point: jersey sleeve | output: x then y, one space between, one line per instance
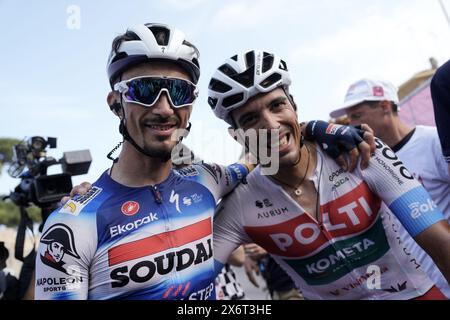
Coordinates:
66 249
440 93
228 229
440 162
400 191
220 180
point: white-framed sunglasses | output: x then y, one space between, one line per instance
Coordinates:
146 90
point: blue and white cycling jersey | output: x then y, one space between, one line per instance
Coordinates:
118 242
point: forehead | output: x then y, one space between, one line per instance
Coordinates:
362 107
157 68
258 102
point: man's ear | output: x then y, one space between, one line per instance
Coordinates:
112 100
294 105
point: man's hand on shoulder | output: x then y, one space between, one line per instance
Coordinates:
78 190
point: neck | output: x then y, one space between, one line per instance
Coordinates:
294 174
136 170
395 132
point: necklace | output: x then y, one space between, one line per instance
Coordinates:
298 192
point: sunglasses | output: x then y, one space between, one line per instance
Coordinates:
147 90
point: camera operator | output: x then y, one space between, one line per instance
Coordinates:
9 285
42 190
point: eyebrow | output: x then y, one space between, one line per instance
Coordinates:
246 115
277 100
270 104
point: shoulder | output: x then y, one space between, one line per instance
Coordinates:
84 204
426 132
386 167
206 172
196 171
428 138
83 208
442 74
247 191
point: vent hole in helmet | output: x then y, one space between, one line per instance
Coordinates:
161 35
270 80
267 63
227 70
283 66
245 78
250 59
232 100
219 86
212 102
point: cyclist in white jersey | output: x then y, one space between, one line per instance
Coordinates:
331 230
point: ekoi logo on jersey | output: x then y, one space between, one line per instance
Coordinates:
193 240
350 214
130 208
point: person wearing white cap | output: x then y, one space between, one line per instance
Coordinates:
375 103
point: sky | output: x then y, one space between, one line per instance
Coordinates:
53 60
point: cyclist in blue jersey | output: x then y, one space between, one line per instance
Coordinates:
333 232
144 230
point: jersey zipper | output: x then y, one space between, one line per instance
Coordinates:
167 228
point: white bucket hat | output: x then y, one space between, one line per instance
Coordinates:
366 90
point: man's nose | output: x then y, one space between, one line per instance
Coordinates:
269 122
163 107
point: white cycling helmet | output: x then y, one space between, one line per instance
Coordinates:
153 41
244 76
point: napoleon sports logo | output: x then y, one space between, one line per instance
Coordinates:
60 241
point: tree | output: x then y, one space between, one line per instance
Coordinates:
6 150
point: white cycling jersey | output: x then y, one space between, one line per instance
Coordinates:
354 251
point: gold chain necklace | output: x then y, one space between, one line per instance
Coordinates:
298 192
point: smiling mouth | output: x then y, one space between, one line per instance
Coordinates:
163 127
160 127
285 140
280 143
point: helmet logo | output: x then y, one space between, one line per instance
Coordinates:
258 64
163 49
